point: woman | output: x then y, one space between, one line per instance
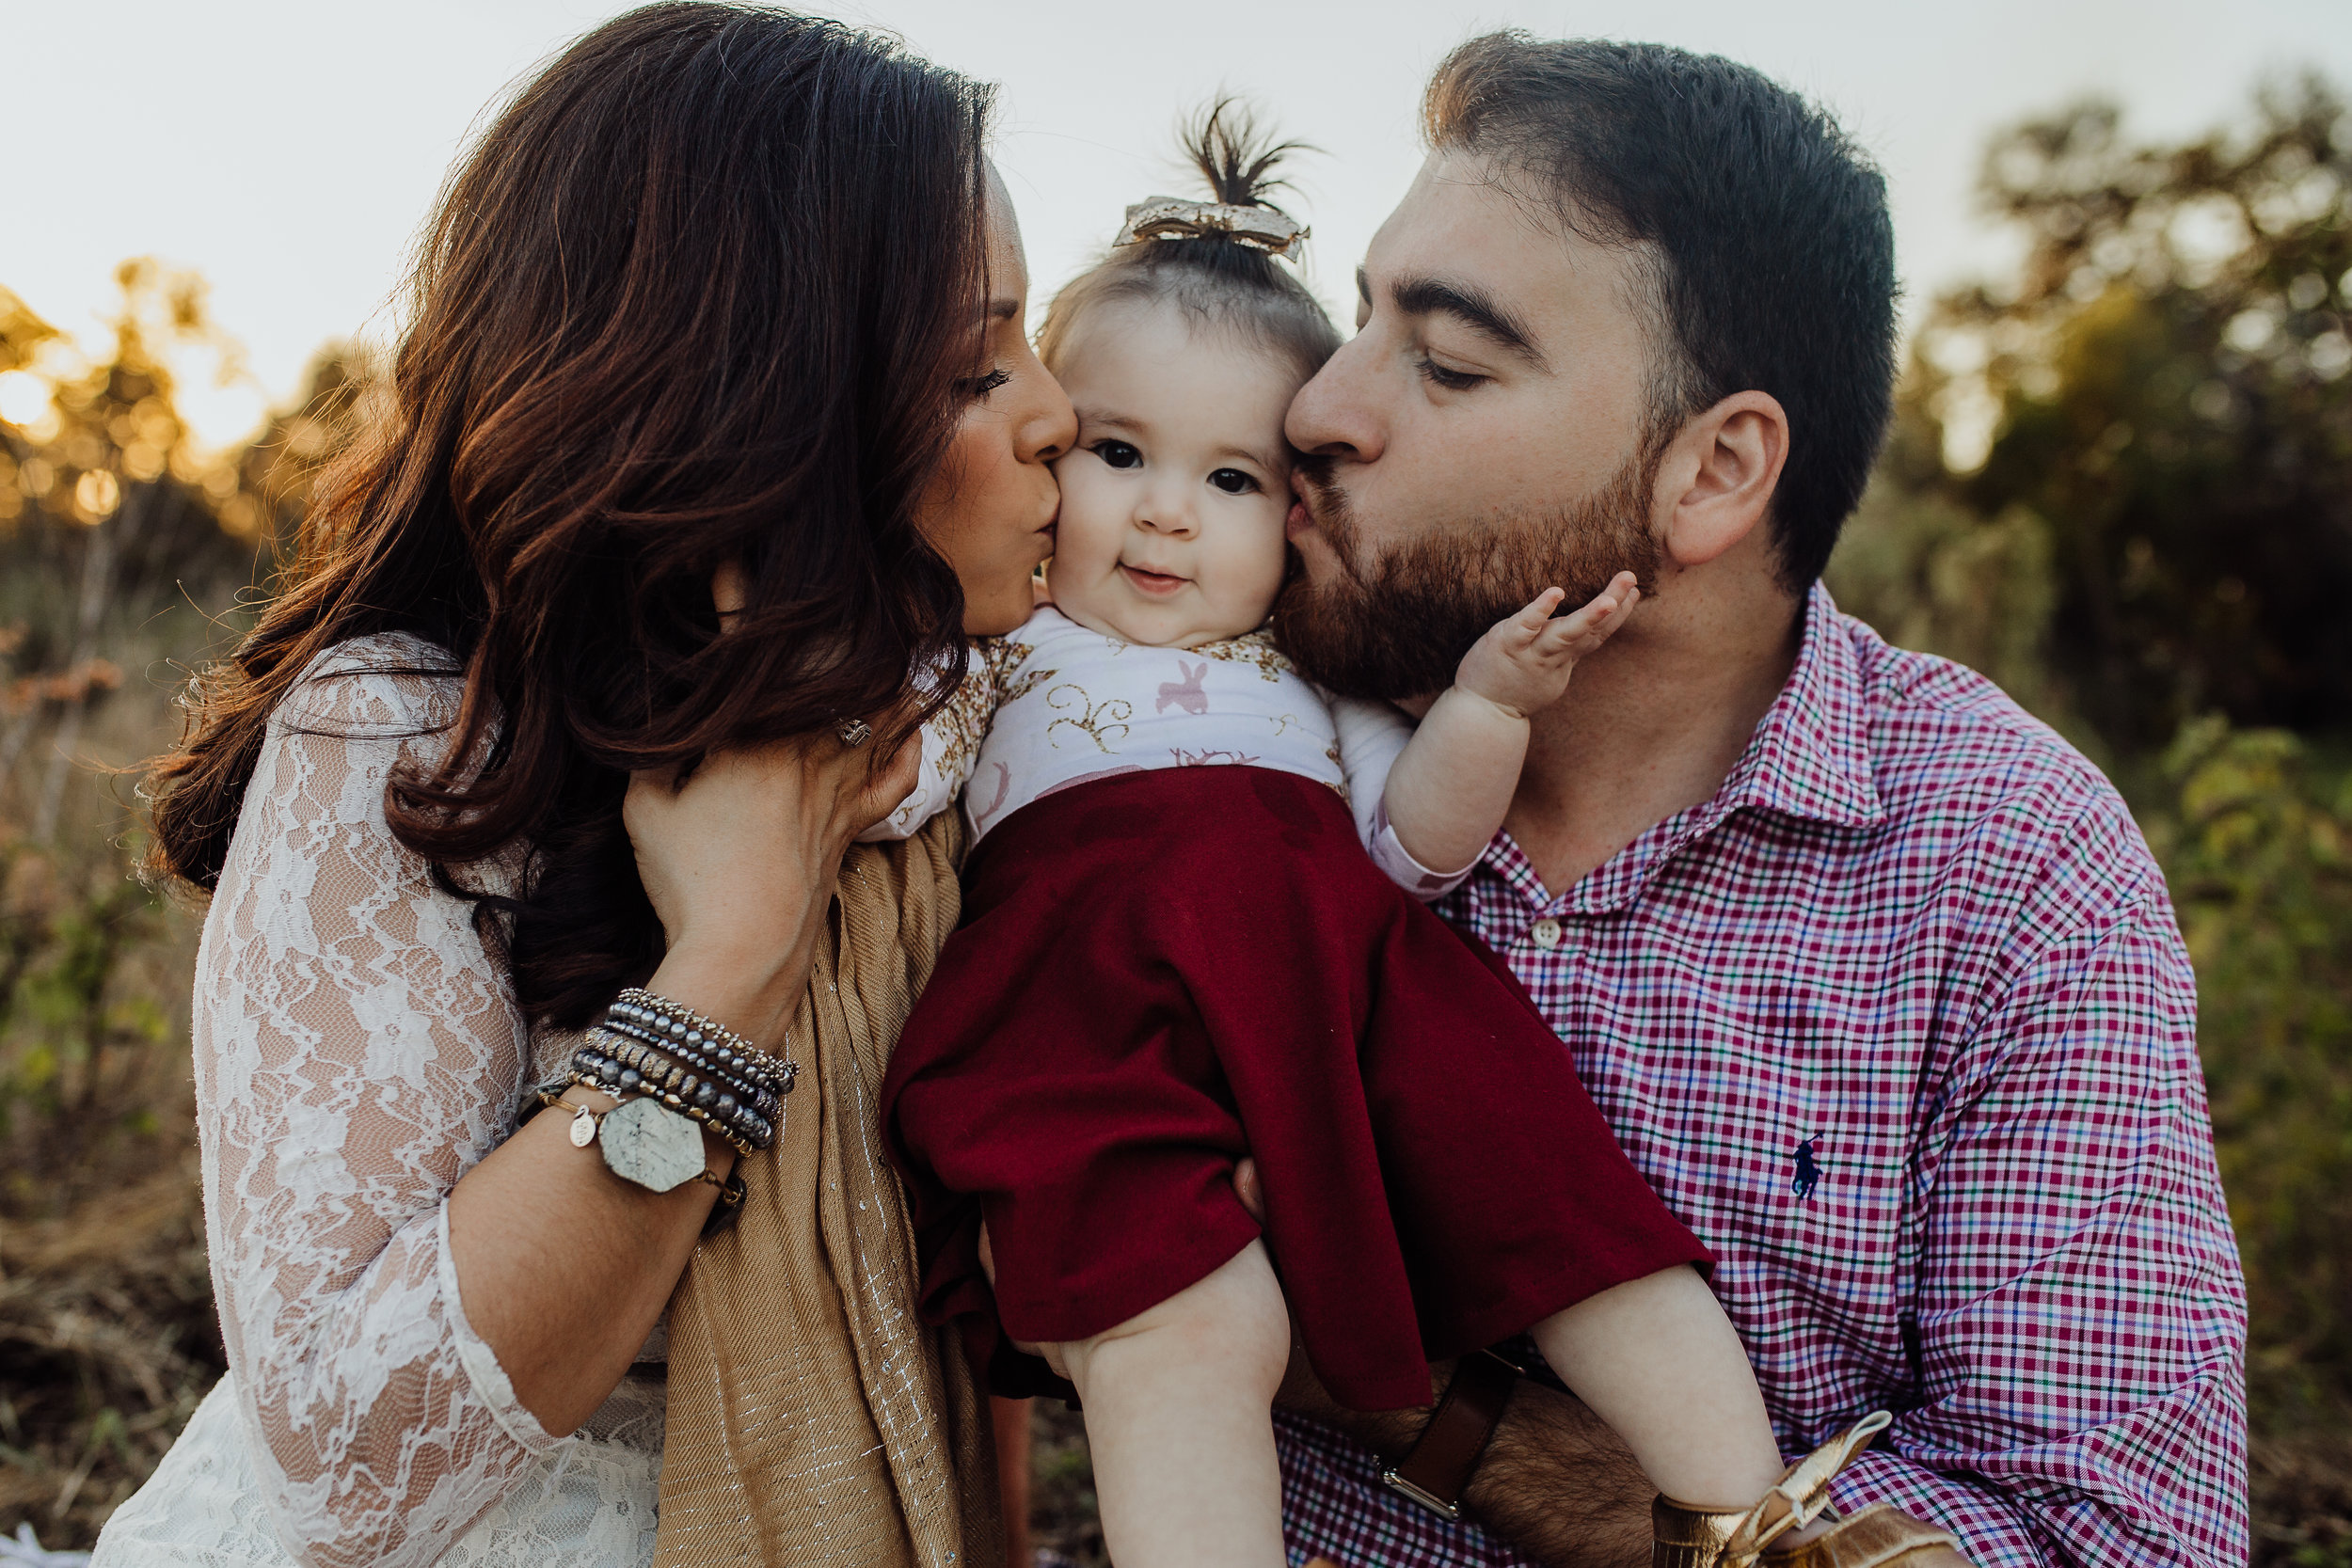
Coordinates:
724 296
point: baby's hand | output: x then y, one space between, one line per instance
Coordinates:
1522 665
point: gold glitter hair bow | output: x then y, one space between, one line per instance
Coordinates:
1170 217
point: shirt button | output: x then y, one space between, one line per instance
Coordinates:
1546 932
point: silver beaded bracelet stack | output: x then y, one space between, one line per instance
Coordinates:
646 1044
671 1069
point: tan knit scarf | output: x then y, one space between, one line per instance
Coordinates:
812 1418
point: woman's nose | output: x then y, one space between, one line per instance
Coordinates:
1048 424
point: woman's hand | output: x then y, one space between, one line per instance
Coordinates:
741 860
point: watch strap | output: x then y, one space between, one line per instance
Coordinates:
1440 1463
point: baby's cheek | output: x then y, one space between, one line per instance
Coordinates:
1089 529
1256 568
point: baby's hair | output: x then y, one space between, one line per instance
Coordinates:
1226 283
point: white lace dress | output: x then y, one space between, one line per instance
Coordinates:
356 1050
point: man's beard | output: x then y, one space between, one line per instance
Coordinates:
1396 627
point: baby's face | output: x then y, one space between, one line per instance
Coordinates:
1173 497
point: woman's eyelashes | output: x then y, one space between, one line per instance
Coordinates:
977 388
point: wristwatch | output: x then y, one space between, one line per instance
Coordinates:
647 1143
1438 1464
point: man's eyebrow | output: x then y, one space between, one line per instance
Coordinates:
1474 308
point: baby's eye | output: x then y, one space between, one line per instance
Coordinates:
1233 481
1118 454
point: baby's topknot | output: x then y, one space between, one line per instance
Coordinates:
1236 159
1229 283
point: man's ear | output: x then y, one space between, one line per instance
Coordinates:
1716 480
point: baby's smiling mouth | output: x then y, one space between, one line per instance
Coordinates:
1157 584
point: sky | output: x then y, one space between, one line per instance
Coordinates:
290 150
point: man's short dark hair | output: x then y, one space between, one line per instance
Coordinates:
1763 230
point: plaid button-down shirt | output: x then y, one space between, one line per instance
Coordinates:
1900 1023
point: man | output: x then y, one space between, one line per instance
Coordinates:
1872 973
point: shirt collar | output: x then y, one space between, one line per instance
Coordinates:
1810 756
1808 759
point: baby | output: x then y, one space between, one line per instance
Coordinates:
1176 951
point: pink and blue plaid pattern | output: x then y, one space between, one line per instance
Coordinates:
1900 1023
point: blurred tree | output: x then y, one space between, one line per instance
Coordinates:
2257 844
2152 417
2119 483
124 547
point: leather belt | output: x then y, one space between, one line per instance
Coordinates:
1438 1464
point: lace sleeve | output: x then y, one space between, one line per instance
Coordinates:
357 1052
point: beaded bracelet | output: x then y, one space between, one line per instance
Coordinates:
659 1062
676 1072
743 1127
649 1045
628 1044
691 1082
642 1007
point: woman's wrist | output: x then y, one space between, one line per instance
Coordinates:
750 992
718 1152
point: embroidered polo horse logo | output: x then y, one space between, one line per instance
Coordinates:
1808 1169
1186 693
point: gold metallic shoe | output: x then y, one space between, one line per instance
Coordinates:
1878 1537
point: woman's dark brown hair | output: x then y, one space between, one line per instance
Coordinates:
707 290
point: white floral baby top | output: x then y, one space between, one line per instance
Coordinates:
1054 704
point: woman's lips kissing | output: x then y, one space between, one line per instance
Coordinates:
1158 584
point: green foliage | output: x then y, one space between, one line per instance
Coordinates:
1930 574
2164 384
2257 843
2120 484
62 1011
111 523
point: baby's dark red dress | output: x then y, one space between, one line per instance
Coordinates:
1158 972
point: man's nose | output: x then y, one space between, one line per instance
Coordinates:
1334 414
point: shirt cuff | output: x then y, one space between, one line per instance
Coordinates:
491 1385
1390 854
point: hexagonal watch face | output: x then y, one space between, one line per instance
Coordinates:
647 1142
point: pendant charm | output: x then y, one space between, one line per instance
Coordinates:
651 1145
583 1128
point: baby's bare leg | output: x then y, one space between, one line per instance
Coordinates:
1179 1404
1657 1359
